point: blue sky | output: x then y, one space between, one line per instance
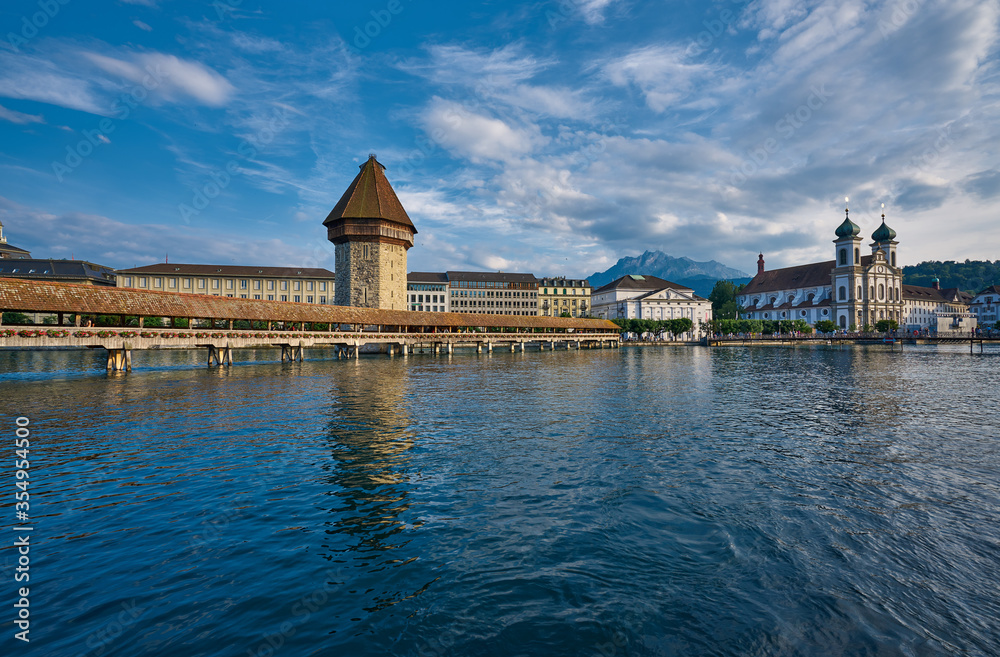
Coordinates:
549 137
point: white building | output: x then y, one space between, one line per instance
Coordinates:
428 291
293 284
648 297
986 306
936 310
852 290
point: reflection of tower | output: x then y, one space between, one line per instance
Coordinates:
370 445
371 232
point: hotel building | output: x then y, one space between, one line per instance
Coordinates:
292 284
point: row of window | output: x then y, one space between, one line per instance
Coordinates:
893 295
172 283
555 291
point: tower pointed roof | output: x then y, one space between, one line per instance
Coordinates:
370 196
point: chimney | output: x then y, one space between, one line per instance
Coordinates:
760 264
936 284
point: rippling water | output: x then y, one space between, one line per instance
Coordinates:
647 501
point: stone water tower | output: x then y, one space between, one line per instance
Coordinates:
371 233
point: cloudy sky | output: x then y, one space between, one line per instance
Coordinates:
548 136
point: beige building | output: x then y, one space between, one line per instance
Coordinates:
493 293
292 284
563 295
371 233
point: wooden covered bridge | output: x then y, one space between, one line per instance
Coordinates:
221 324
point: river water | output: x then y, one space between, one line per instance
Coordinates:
642 501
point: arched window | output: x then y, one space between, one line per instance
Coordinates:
897 294
893 256
843 256
843 293
871 293
857 256
773 299
843 322
881 292
860 293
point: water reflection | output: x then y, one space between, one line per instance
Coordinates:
369 442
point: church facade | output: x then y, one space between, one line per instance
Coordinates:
371 233
852 290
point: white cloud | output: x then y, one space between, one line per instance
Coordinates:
142 26
662 73
477 137
18 117
593 10
170 76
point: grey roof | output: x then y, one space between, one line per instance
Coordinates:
230 270
57 270
563 282
639 282
483 276
920 293
14 251
993 289
427 277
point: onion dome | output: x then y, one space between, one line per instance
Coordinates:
848 228
883 233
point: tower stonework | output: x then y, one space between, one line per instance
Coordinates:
371 233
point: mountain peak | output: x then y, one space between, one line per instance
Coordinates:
699 276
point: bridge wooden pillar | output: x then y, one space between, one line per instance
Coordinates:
521 343
119 360
219 356
451 348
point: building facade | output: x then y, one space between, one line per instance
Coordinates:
936 310
493 293
291 284
9 251
428 291
371 233
986 306
648 297
852 290
557 296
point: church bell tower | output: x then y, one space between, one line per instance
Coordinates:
371 233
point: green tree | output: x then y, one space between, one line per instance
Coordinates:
723 298
565 313
886 325
826 326
16 318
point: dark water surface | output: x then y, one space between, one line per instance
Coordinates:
648 501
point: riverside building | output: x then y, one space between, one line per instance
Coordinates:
492 293
648 297
563 295
428 291
852 290
986 306
292 284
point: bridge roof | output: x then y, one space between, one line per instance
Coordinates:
37 296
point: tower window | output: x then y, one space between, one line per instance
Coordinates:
843 256
843 290
857 256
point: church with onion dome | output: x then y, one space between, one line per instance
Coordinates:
852 290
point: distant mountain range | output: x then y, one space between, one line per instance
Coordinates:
699 276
